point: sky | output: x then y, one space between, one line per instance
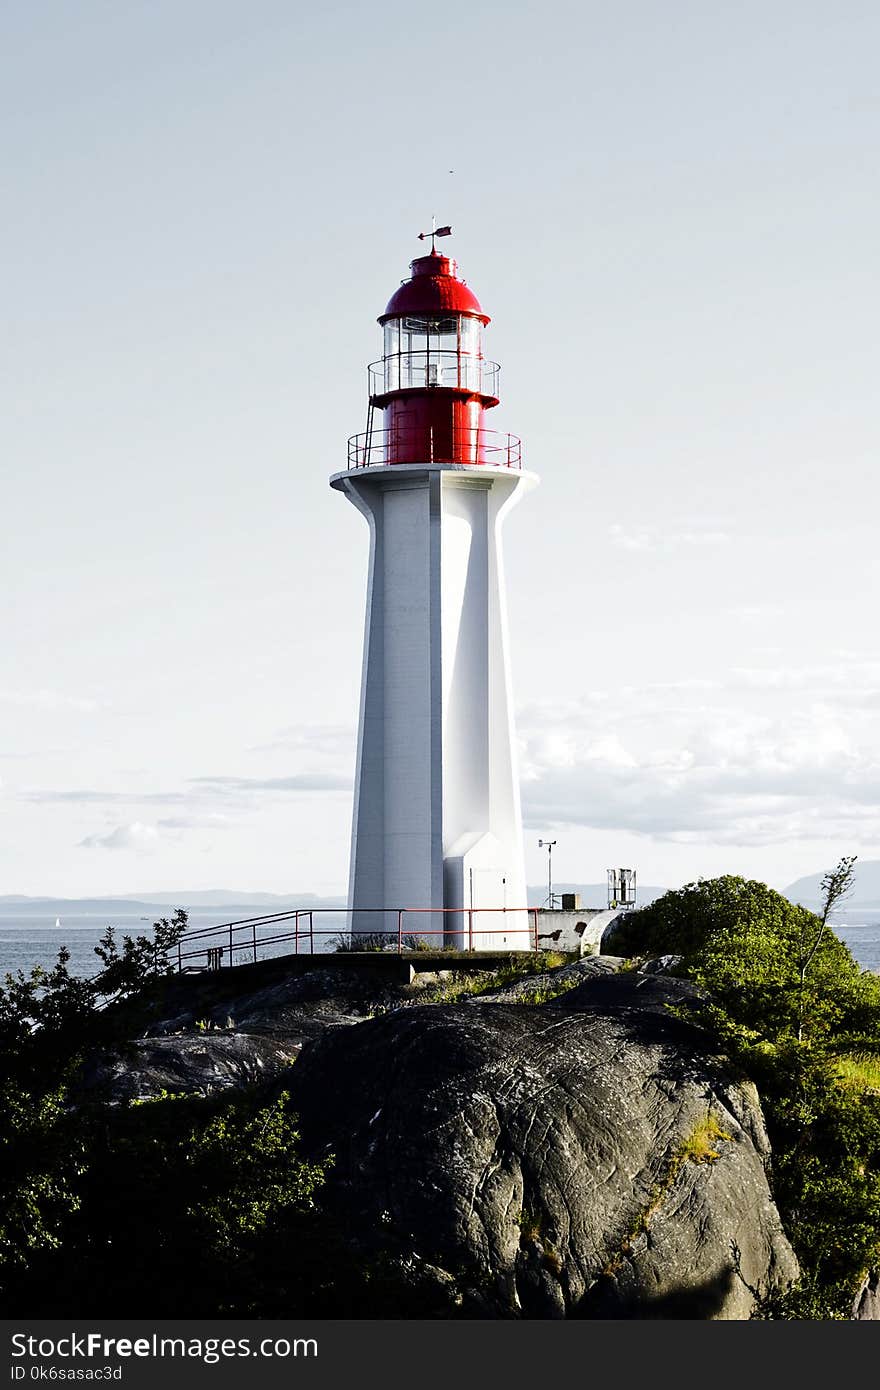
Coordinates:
671 213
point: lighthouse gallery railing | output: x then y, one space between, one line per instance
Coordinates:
481 446
406 371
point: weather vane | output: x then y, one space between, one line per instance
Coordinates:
434 233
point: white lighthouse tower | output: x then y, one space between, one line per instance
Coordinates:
437 828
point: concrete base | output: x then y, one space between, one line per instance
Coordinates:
401 969
579 931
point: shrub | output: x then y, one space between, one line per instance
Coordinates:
785 999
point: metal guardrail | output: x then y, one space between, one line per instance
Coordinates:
402 371
415 445
217 947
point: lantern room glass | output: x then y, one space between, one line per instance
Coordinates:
433 351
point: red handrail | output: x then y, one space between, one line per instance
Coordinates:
227 931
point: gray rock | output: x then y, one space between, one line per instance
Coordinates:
194 1064
613 939
661 965
563 978
240 1039
581 1158
866 1307
300 1007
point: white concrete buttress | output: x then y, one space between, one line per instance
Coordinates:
437 819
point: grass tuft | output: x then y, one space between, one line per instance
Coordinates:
542 994
860 1071
699 1146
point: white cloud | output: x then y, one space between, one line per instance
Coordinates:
201 792
296 782
756 612
312 739
851 677
50 700
672 536
706 765
135 836
211 820
91 796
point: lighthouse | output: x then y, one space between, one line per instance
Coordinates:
437 827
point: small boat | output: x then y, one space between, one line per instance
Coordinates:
58 921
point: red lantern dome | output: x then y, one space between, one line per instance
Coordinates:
434 288
433 385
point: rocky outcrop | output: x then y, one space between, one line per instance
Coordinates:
192 1064
296 1006
661 965
866 1307
531 988
618 935
202 1045
557 1146
583 1157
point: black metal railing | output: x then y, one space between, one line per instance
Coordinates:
401 371
409 444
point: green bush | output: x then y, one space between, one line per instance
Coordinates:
684 920
784 998
178 1206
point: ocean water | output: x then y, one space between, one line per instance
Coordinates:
859 928
30 939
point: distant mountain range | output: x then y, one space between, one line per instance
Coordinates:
592 894
223 897
246 904
243 903
231 904
160 904
866 892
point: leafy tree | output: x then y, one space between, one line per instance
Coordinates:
181 1205
49 1019
783 997
42 1159
753 970
836 886
684 919
141 960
